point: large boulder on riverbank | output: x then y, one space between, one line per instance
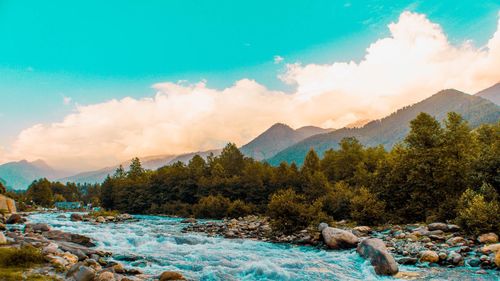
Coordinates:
429 256
7 204
68 237
76 217
336 238
171 275
15 218
488 238
382 261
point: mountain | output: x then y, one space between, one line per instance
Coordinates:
151 163
98 176
393 128
19 175
492 93
276 138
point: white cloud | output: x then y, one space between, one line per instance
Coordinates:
414 62
278 59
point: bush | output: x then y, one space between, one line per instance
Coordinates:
239 208
212 207
366 208
479 212
337 202
20 257
104 213
289 211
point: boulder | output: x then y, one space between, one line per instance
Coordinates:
488 238
438 226
336 238
76 217
492 248
100 219
408 261
58 262
80 272
429 256
455 258
14 218
382 261
453 228
3 240
51 248
497 259
72 259
68 237
7 204
171 275
2 227
36 227
189 220
456 240
106 276
118 268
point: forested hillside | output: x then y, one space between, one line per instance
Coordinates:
393 128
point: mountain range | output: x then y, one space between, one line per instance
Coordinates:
282 143
393 128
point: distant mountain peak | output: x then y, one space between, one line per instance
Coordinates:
492 93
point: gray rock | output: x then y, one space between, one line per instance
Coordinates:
76 217
14 218
438 226
336 238
408 261
455 258
474 263
383 262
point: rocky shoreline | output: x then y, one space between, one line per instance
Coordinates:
432 245
71 256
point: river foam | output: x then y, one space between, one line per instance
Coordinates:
155 244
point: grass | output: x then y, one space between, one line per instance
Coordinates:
15 263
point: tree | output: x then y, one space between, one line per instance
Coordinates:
40 192
136 171
479 211
366 208
311 162
231 159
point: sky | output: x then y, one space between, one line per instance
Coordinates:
86 84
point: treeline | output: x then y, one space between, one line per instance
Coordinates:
438 173
45 193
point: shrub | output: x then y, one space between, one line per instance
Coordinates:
289 211
212 207
336 203
239 208
20 257
104 213
366 208
479 212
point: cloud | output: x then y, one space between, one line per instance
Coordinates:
414 62
278 59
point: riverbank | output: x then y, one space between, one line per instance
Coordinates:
66 256
435 244
149 245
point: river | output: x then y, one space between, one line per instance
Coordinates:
155 244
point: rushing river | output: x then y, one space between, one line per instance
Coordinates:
156 244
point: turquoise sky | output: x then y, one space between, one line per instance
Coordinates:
92 51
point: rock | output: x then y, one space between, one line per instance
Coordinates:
171 275
14 218
84 274
429 256
36 227
58 262
3 240
363 229
100 219
455 258
51 248
336 238
438 226
69 237
76 217
408 261
453 228
488 238
72 259
106 276
492 248
61 217
374 249
408 275
118 268
189 220
2 227
456 240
